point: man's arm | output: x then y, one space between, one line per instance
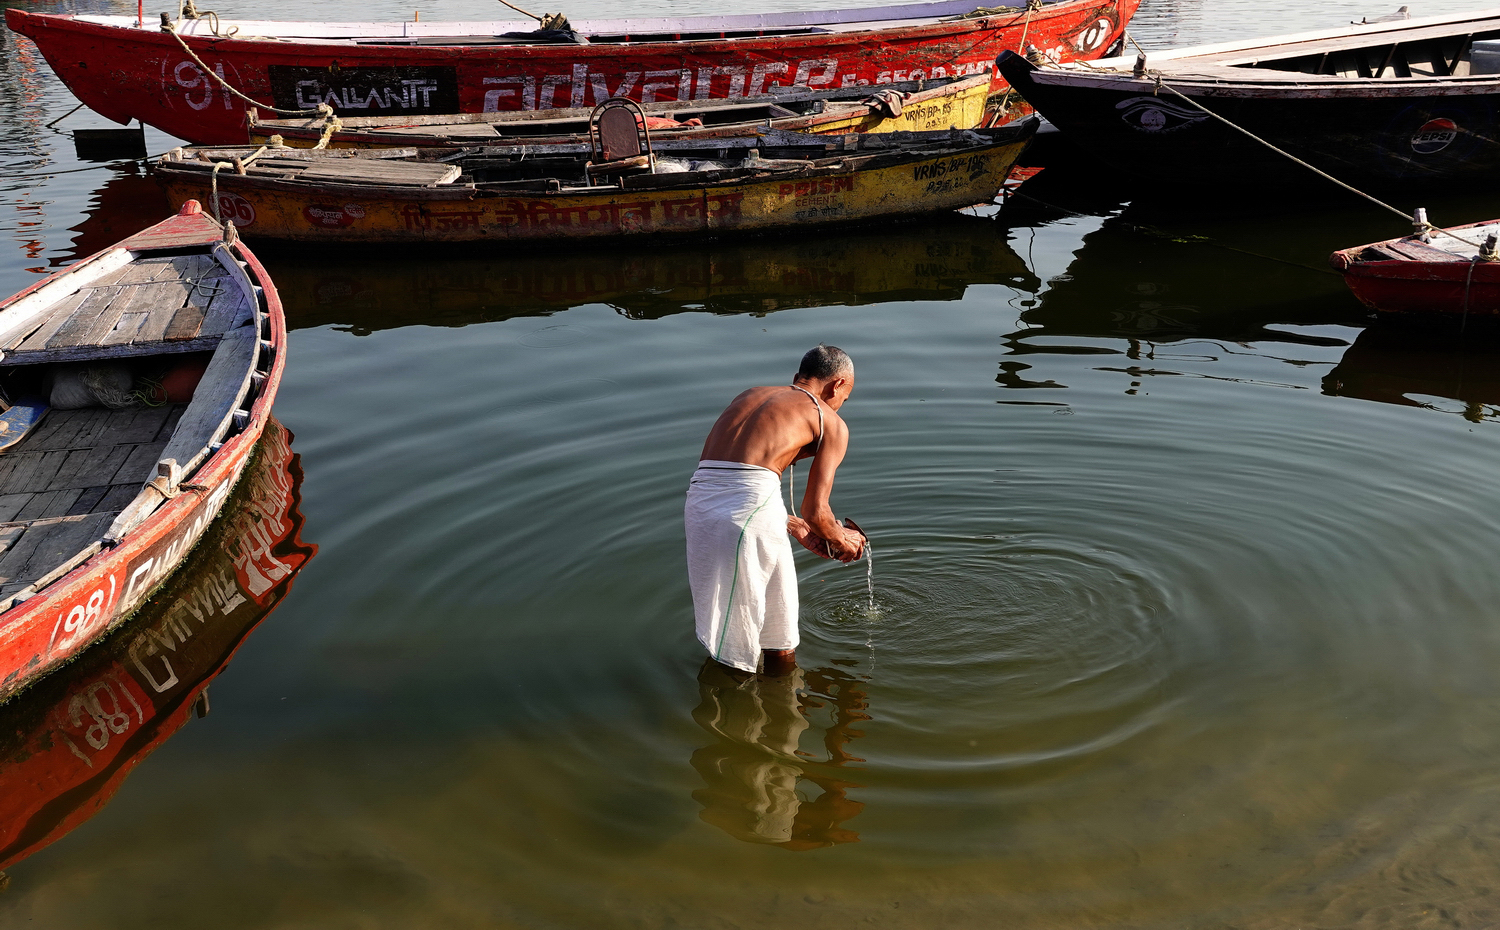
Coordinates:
844 545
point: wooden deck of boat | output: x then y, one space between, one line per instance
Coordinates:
64 484
339 167
149 307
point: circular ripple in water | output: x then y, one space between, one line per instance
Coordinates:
1025 649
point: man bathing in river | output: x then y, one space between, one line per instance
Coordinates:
739 559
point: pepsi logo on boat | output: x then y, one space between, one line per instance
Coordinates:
1434 136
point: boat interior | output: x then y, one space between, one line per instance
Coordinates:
571 166
1464 49
126 370
1464 246
784 103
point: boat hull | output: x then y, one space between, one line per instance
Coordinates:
1379 136
60 621
1417 291
308 212
124 73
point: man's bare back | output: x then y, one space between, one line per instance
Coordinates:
772 427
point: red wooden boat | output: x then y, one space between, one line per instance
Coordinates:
138 382
1436 276
69 743
125 70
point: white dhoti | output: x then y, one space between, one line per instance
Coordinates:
740 562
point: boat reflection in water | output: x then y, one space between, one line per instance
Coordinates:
1410 369
932 260
757 777
68 744
1160 272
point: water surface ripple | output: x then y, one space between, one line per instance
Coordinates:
1182 609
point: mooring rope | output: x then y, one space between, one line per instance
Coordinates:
238 165
1032 6
1160 84
322 108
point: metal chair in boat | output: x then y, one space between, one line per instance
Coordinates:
619 142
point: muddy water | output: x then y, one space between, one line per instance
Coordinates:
1184 613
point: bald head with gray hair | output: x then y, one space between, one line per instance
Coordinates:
824 361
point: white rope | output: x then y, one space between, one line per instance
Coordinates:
1163 85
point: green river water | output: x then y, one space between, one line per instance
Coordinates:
1184 614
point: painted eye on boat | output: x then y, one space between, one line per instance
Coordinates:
1153 114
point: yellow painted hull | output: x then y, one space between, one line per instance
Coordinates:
319 212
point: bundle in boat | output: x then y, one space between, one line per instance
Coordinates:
135 385
754 183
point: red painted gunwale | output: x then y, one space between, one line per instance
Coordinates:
126 72
1403 276
30 642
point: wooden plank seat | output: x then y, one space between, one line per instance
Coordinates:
63 485
340 167
154 306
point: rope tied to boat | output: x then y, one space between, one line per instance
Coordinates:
187 10
1032 6
171 30
331 125
1418 219
239 165
547 21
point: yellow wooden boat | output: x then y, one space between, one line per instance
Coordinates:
769 181
913 106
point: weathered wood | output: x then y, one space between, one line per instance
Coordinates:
219 392
49 322
139 466
95 302
168 427
56 542
84 468
227 308
90 353
125 328
117 498
145 423
45 504
185 324
88 500
369 171
11 504
64 429
88 329
154 328
29 471
68 564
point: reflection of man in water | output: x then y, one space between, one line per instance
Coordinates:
752 770
739 560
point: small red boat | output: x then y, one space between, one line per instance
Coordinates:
71 741
137 383
125 69
1434 276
